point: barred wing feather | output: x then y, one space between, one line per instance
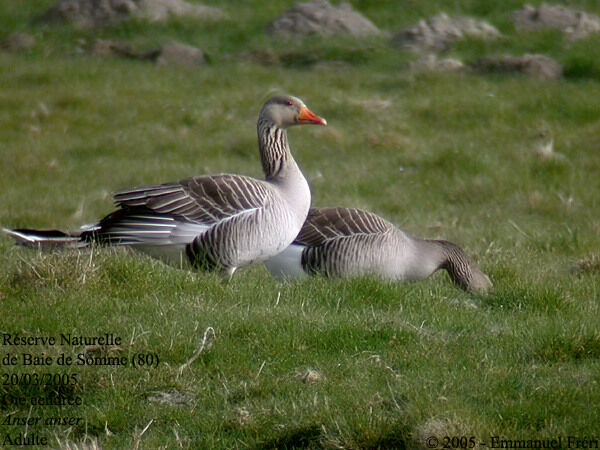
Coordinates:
326 224
204 200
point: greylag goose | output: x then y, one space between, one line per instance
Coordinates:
220 222
345 242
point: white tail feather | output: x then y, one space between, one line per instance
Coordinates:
33 239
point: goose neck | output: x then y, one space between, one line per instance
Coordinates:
274 150
457 264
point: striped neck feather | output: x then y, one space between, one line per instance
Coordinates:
274 150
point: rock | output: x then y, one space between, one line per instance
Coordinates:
160 10
431 63
439 32
322 18
17 42
103 12
173 53
574 23
88 12
537 66
180 54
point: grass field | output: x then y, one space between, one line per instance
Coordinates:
359 363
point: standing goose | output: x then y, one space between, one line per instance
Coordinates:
217 222
347 242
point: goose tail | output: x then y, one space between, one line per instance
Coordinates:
47 239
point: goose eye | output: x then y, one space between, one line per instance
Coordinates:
289 103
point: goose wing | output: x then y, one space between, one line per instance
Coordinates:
174 214
205 200
326 224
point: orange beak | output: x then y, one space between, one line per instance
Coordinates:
306 116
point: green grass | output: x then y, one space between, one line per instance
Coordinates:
442 155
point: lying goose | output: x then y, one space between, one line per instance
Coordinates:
347 242
214 221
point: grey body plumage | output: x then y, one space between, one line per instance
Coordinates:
345 242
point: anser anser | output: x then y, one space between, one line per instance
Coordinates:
345 242
215 221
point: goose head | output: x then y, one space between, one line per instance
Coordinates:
476 281
462 270
285 111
